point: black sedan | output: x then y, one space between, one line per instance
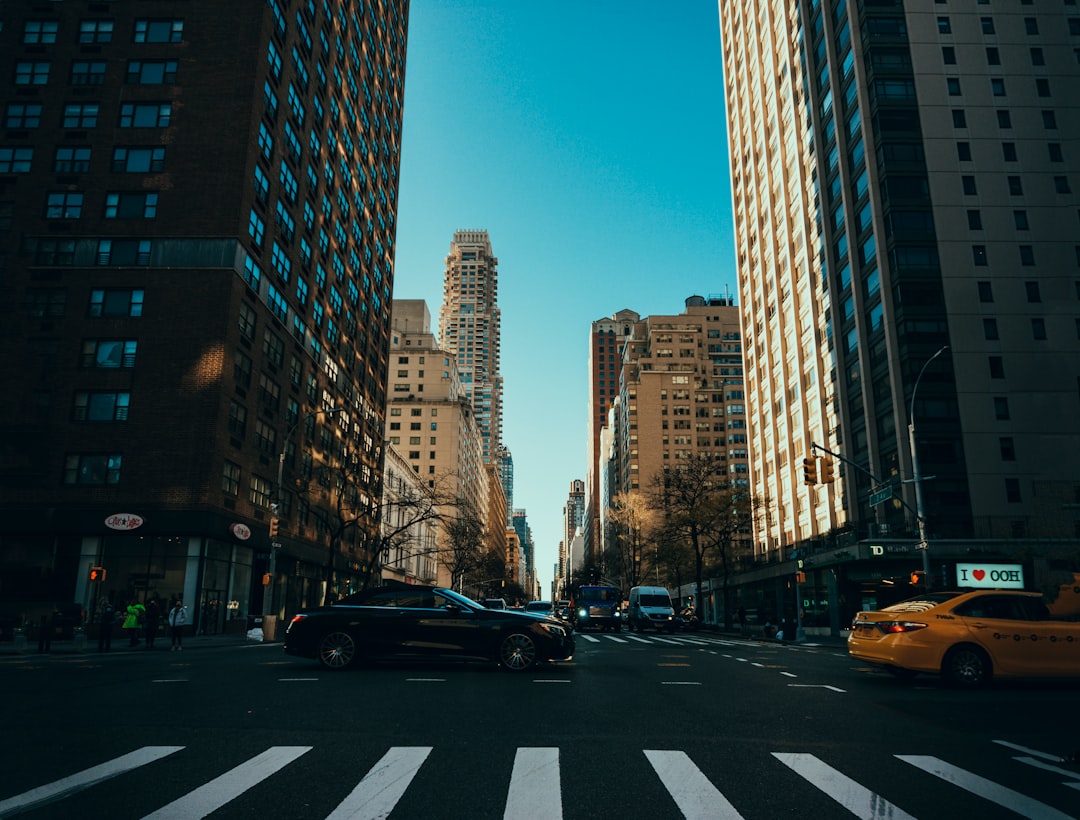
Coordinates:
424 621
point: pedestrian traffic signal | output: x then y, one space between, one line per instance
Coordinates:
827 473
97 575
917 577
809 471
273 526
800 577
267 578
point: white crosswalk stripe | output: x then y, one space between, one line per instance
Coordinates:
535 787
230 785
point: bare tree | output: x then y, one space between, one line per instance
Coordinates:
702 510
462 549
631 522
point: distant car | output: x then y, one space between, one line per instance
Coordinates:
968 637
598 607
650 607
407 621
541 607
494 603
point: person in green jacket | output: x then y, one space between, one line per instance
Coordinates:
136 614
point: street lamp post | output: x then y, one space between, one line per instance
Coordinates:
916 476
268 595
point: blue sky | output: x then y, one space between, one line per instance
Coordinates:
588 138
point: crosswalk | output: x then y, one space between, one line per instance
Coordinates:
656 638
535 785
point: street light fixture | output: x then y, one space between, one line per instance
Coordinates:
916 476
268 594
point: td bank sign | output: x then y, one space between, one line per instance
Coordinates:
990 576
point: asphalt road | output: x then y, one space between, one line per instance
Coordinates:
645 727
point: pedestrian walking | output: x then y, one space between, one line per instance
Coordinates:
133 623
177 620
105 627
153 617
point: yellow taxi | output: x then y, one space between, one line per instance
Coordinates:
968 637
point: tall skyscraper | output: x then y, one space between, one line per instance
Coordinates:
198 201
606 338
469 326
907 236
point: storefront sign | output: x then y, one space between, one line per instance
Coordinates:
242 532
990 576
124 521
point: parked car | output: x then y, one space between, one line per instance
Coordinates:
424 621
650 608
968 637
494 603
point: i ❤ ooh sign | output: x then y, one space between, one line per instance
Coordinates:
990 576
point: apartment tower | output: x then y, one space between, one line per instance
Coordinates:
469 327
905 200
197 202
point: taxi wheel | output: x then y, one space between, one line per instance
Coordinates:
966 666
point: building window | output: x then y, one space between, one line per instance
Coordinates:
40 32
959 118
131 205
63 205
273 348
109 353
1008 151
1054 151
963 151
1031 289
95 31
123 252
230 479
968 183
997 367
265 437
987 25
138 160
974 219
993 57
1042 87
1020 220
159 31
88 72
72 160
952 84
1038 329
1027 255
246 320
1049 119
95 406
151 72
32 72
978 255
1004 119
1007 448
1001 408
948 55
242 370
1012 490
990 329
237 420
15 160
145 115
116 302
1016 185
259 494
81 115
256 227
1061 185
22 115
44 303
92 469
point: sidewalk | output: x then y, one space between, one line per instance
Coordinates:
120 645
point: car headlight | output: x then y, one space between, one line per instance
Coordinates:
583 613
554 629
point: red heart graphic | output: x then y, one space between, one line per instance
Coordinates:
979 574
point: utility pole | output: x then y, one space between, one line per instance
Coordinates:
916 476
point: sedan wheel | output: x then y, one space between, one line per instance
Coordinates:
517 652
966 666
337 650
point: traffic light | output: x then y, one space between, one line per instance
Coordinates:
97 575
267 578
273 526
809 471
917 577
800 577
827 472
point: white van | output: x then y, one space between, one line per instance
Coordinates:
650 607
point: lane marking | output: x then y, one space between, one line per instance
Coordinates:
680 683
696 797
817 686
535 789
1021 804
590 638
637 638
1038 764
857 799
221 790
1033 752
288 680
170 680
615 638
425 680
84 779
551 680
789 674
376 795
